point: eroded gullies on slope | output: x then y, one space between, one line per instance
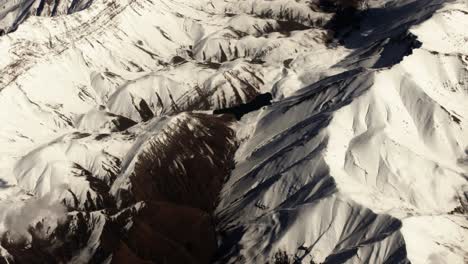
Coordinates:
284 194
87 233
183 171
13 13
166 213
188 86
386 123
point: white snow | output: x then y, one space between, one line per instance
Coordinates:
368 161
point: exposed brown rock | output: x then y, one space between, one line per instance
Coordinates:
189 167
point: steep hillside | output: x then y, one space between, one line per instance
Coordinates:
227 131
14 12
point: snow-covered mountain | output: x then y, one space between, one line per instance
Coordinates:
142 131
14 12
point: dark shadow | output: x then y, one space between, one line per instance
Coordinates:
398 256
287 26
389 21
4 184
242 109
144 110
380 37
344 20
229 238
122 123
74 7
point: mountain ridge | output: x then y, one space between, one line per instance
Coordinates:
359 158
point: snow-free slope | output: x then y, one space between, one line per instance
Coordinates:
111 151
